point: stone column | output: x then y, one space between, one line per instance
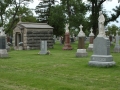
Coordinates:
91 35
81 51
67 45
117 46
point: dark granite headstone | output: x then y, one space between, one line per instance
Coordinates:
3 51
2 42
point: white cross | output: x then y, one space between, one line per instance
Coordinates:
80 27
91 30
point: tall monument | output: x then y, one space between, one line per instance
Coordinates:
101 51
81 51
67 45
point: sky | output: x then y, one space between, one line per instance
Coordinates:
109 5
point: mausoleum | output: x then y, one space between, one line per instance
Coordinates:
29 35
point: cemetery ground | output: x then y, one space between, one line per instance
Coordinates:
61 70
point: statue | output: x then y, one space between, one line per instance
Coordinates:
2 32
67 28
101 20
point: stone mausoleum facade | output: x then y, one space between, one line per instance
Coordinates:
31 34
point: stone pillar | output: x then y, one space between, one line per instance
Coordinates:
67 45
81 51
3 51
117 46
91 35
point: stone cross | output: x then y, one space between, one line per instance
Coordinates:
91 34
80 27
91 30
81 33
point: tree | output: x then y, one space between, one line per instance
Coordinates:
43 10
5 5
75 11
26 14
57 20
95 6
112 29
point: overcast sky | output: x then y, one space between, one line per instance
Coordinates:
108 6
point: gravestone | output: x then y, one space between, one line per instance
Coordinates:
43 47
54 39
101 51
67 45
91 36
81 51
117 46
3 51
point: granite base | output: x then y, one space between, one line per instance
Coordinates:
101 61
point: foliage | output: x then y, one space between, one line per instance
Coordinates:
97 5
43 10
61 70
5 6
57 20
75 11
112 29
26 16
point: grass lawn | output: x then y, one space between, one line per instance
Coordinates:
27 70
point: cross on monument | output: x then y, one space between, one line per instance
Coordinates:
91 30
80 27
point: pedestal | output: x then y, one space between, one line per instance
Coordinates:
81 51
90 47
101 61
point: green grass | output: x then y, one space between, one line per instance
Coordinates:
27 70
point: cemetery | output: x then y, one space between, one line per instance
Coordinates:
63 53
